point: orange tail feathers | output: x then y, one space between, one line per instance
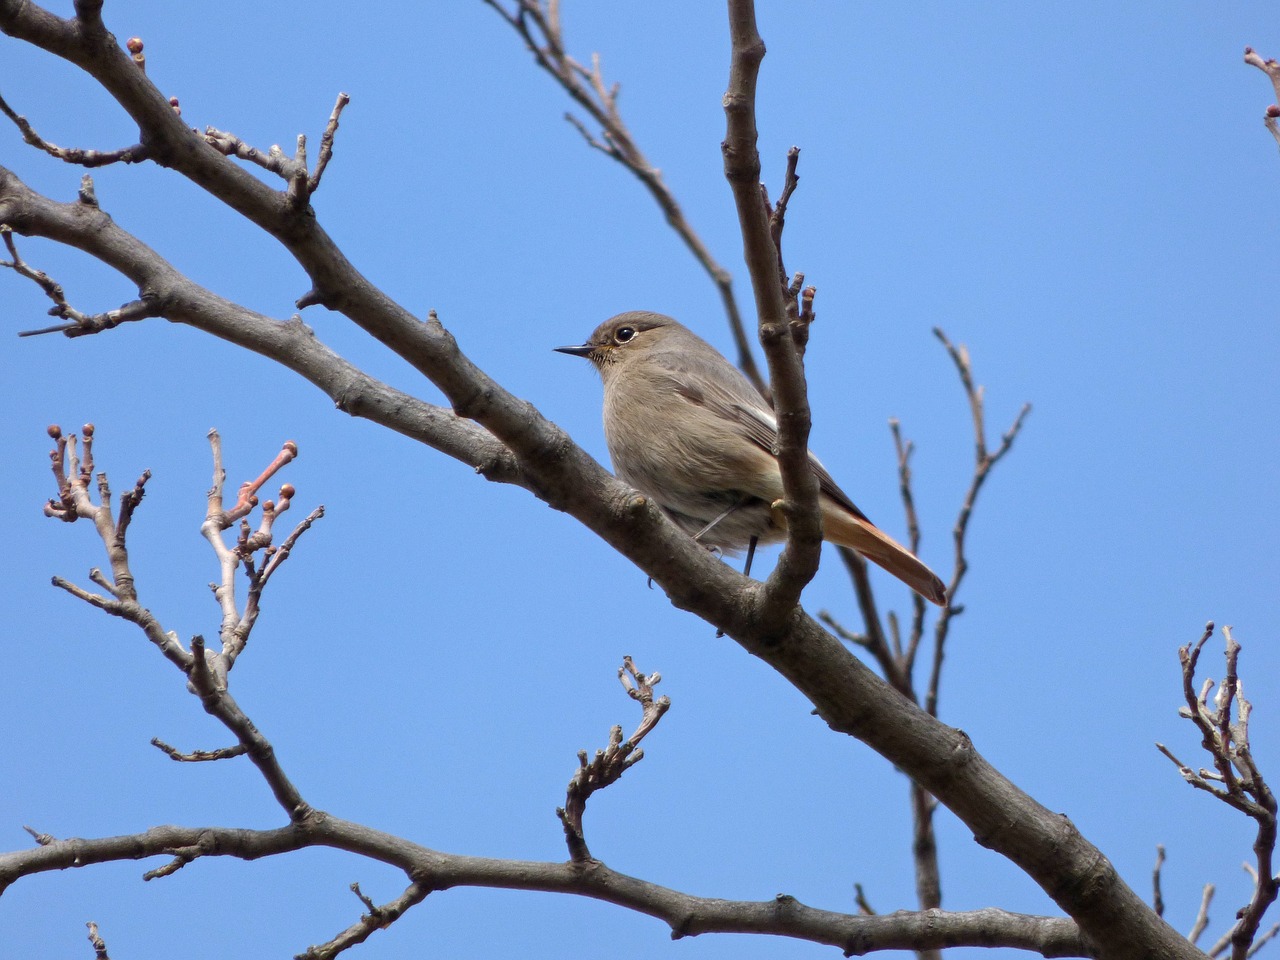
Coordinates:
840 526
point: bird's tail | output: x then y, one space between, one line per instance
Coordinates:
840 526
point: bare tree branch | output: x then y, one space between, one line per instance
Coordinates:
845 694
85 158
904 449
431 870
293 170
99 945
198 756
984 460
799 560
1242 784
206 672
1262 940
378 918
612 762
1157 897
137 310
898 662
1271 116
293 344
687 915
1202 915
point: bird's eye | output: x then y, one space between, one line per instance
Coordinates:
624 334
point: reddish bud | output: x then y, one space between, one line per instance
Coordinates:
1273 111
1248 50
134 45
291 448
287 491
87 429
54 431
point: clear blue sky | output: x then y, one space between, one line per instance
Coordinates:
1083 193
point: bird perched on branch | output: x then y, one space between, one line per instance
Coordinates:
686 428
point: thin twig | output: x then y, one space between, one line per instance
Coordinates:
74 503
860 901
1259 943
1242 785
99 945
80 323
44 839
84 158
1271 116
904 449
1157 898
778 216
300 186
984 460
539 26
199 756
856 566
1202 915
377 918
612 762
237 624
326 143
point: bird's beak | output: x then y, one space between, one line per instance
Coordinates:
583 350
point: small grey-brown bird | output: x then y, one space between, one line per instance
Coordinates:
686 428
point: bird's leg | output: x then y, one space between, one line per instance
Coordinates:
707 529
750 547
751 553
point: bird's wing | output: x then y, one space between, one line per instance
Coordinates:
761 427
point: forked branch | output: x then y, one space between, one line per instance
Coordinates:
377 918
612 762
206 671
76 155
80 323
300 183
984 459
1235 779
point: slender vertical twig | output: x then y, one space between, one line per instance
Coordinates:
538 24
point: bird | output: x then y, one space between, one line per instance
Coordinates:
686 428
